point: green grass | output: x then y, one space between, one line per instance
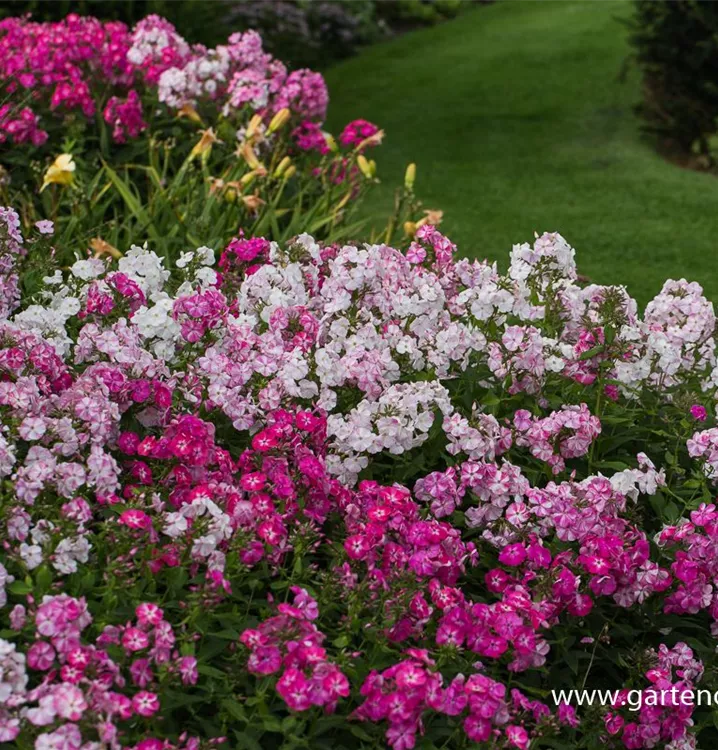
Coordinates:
518 122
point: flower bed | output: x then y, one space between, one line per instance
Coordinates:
322 495
119 135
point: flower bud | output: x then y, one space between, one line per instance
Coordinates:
282 166
410 176
250 157
368 168
279 120
248 178
253 127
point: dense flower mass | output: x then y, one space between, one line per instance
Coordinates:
52 70
347 491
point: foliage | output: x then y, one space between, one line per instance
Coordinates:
676 48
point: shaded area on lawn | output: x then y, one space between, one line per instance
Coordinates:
518 122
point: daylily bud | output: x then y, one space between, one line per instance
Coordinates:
290 172
230 190
250 157
248 178
410 176
60 172
253 127
279 120
331 143
368 168
282 166
410 228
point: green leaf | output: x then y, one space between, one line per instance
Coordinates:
19 587
234 709
132 202
592 352
245 741
271 724
615 465
211 671
359 732
43 577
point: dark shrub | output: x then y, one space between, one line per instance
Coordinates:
409 13
308 34
676 47
283 24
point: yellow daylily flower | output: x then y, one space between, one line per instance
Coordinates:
60 172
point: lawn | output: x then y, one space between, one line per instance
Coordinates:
518 120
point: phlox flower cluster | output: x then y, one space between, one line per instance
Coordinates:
290 642
82 681
235 74
704 445
56 67
695 562
564 434
11 246
664 717
405 693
